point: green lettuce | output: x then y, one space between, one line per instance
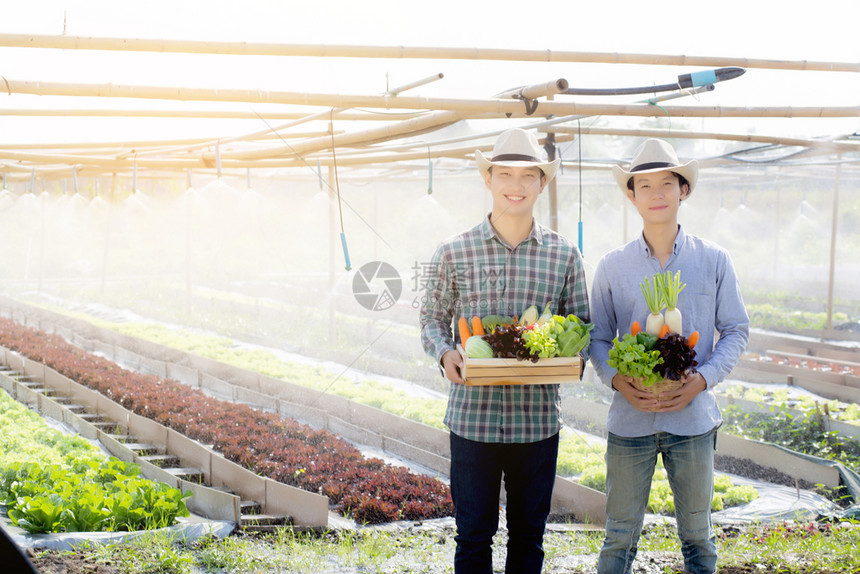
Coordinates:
559 337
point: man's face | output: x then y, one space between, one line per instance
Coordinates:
657 196
515 189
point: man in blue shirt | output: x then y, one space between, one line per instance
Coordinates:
680 425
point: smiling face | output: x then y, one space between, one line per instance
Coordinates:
657 196
515 189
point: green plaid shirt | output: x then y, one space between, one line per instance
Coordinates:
477 273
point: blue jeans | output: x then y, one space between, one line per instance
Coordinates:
476 474
689 463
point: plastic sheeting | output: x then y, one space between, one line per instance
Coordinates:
185 530
847 478
775 503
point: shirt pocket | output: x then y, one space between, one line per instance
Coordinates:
698 309
488 287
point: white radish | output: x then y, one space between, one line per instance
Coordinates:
653 298
654 324
671 287
673 320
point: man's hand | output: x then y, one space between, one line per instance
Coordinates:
645 402
678 399
452 363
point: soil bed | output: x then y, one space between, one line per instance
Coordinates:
407 559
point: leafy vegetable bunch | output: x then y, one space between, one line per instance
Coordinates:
679 358
528 338
506 342
660 351
635 356
651 359
558 337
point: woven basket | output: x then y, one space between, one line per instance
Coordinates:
658 387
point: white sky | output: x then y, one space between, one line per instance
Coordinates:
824 30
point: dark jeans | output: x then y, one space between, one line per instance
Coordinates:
476 474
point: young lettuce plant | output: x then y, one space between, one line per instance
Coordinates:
635 356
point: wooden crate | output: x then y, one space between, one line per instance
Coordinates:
513 372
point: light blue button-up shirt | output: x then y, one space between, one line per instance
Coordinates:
711 304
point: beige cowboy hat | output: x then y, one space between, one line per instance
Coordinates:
656 155
517 148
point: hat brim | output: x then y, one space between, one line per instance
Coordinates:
689 170
549 168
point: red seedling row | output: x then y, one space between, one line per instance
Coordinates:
810 364
366 489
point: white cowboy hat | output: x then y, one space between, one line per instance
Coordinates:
517 148
656 155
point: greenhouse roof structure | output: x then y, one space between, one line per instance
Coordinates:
262 127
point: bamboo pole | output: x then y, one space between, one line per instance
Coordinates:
536 91
490 107
384 155
408 127
526 92
141 146
104 161
415 84
682 134
404 52
194 114
405 128
552 187
272 132
544 125
238 169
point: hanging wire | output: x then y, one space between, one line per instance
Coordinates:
429 172
337 189
579 139
665 112
218 158
318 171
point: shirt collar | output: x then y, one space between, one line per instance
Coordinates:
488 232
680 238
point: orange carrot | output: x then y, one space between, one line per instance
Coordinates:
693 339
635 328
663 332
477 326
463 326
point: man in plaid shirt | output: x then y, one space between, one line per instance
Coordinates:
500 267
